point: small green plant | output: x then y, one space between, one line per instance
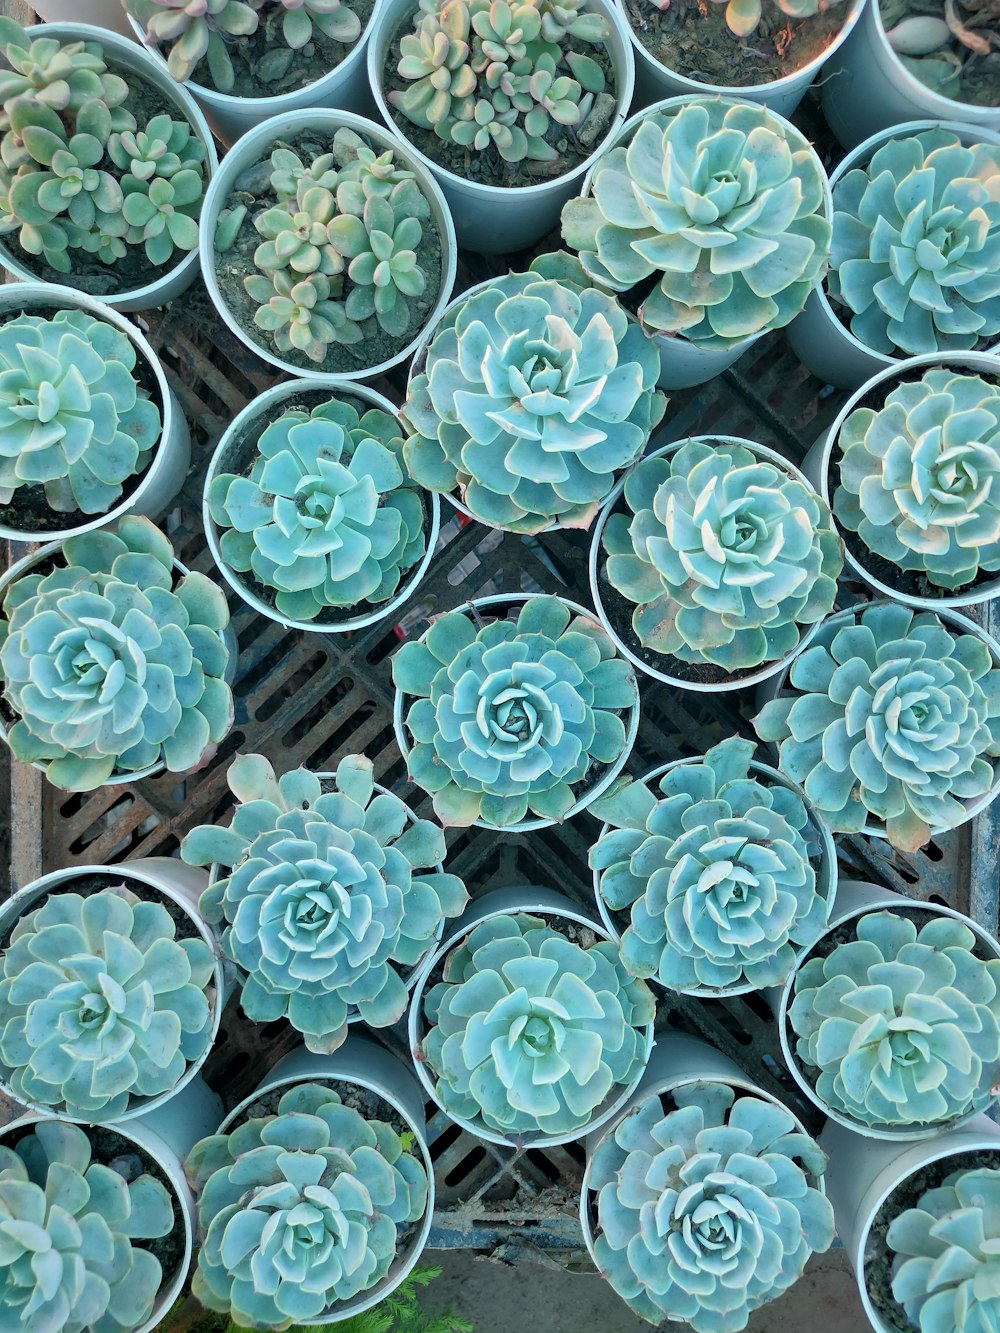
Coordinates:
949 45
743 16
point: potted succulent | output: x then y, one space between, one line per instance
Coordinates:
540 720
96 192
310 511
315 1197
712 563
334 894
891 721
705 1199
915 253
714 878
327 247
525 1027
114 659
889 1022
744 175
533 391
507 104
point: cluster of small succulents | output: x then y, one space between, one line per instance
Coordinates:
940 42
743 16
332 888
79 176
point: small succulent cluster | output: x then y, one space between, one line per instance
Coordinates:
716 873
327 517
708 1210
71 1257
508 717
531 1033
534 391
946 1270
300 1210
899 1026
949 45
726 555
328 894
101 1003
77 171
889 716
742 16
723 205
500 73
915 257
74 418
919 478
111 663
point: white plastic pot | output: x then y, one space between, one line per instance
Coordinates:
818 338
504 601
255 146
125 57
514 901
496 219
167 468
855 899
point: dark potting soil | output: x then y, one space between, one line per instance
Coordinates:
979 76
691 37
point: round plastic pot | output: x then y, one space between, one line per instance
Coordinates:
818 466
826 875
504 601
515 901
867 88
363 1064
167 468
822 341
597 560
95 13
254 147
127 57
219 463
497 219
863 1173
856 899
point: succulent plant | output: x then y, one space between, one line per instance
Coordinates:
510 717
949 45
723 204
945 1271
889 716
74 417
301 1210
743 16
111 666
71 1235
919 479
716 875
726 555
329 892
59 75
915 257
534 391
708 1208
327 516
531 1033
101 1003
899 1026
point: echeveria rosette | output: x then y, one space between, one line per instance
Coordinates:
332 888
946 1264
71 1237
530 1033
889 716
708 1210
727 556
919 479
300 1210
327 517
510 717
534 392
721 204
899 1027
915 259
716 873
113 664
